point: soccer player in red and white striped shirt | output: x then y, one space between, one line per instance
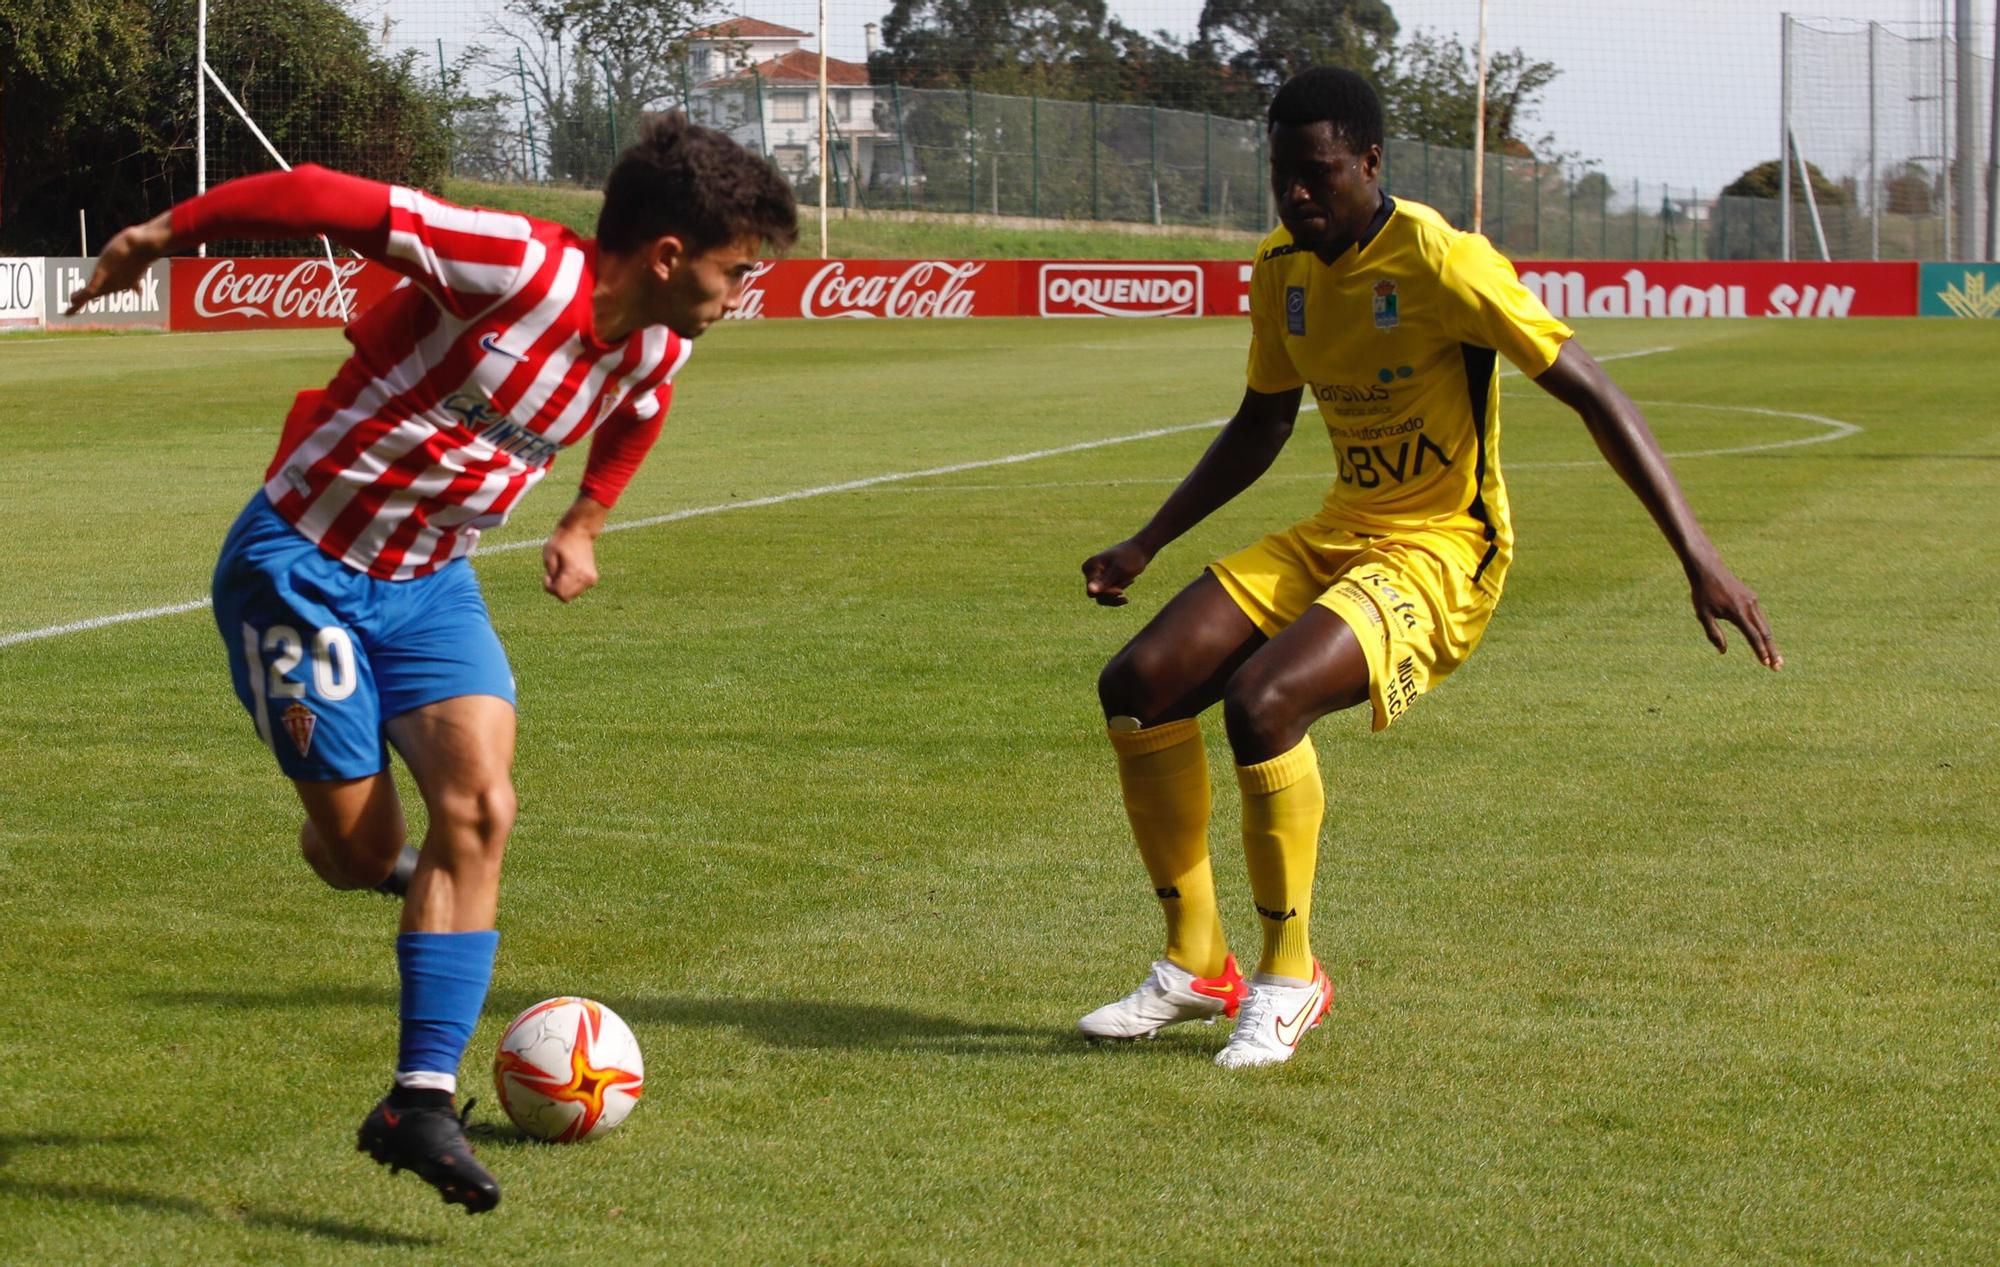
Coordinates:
344 594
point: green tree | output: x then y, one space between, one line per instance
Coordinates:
1763 181
1908 191
1068 49
592 66
1261 44
1432 95
99 106
82 123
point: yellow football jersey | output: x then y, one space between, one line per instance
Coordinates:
1399 341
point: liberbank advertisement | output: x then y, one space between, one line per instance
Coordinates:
258 293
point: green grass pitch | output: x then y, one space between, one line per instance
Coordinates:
1643 954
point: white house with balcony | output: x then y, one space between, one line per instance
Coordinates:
757 81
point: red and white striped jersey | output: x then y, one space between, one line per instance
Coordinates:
462 386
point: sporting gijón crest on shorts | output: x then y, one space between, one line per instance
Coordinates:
462 387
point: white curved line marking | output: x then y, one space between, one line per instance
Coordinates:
848 486
1835 430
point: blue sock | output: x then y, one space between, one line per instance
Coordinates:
445 976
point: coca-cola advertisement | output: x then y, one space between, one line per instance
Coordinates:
261 294
822 289
1094 289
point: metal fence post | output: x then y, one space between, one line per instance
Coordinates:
1635 217
1035 155
1427 173
902 140
1153 145
1537 248
1572 216
971 155
1207 162
444 92
1263 183
763 130
527 117
610 112
1095 212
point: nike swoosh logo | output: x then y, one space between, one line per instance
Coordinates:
491 342
391 1118
1291 1031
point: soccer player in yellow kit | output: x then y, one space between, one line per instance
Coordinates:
1396 323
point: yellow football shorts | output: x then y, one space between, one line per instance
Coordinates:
1417 615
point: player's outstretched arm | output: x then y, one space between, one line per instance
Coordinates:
1621 433
125 260
1245 450
302 202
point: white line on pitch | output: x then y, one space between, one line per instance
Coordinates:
694 512
1835 430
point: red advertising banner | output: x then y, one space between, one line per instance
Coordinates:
264 294
1699 288
996 288
244 294
1106 289
882 288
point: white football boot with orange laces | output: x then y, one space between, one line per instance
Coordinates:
1274 1018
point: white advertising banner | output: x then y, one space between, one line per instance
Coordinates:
146 307
20 292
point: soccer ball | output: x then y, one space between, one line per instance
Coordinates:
568 1069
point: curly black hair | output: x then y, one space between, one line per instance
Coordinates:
684 179
1331 94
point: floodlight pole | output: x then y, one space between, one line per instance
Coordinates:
822 129
1479 131
1993 146
1784 136
1874 173
1944 123
201 104
1966 174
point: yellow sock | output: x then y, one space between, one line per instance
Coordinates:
1163 771
1283 802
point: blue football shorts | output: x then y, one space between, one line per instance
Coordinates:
322 655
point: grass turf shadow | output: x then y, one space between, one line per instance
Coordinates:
790 1024
129 1198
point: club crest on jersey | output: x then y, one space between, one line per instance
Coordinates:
299 722
1385 305
1295 309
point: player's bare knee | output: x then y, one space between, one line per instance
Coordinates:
477 819
1125 687
1260 717
349 860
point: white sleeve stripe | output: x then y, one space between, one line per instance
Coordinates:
473 220
680 358
479 279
